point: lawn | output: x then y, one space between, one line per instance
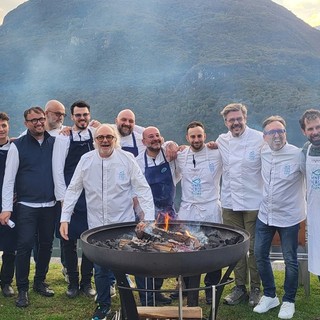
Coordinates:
60 307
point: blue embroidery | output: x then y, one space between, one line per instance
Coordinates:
287 170
315 179
121 175
251 155
196 186
163 170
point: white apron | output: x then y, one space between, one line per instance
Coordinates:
198 191
313 211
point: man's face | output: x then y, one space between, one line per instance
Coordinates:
81 117
235 121
35 122
196 137
152 139
4 130
105 141
55 116
275 135
125 123
312 131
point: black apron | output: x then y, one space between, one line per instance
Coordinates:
134 150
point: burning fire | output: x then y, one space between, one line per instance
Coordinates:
166 221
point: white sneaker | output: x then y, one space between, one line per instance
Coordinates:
113 290
265 304
287 310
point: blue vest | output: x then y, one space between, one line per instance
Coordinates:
34 182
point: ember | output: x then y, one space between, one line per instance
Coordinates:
152 237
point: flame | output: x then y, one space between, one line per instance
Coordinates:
166 221
189 234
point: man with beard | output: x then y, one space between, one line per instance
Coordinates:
67 153
200 169
55 114
130 133
162 178
29 171
310 126
241 193
109 177
281 210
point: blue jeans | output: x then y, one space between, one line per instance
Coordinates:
102 282
289 246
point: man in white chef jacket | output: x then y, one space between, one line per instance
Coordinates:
109 177
281 210
241 193
310 126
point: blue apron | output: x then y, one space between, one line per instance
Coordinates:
77 149
163 189
134 150
7 235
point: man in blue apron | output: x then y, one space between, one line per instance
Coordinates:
162 178
69 150
7 234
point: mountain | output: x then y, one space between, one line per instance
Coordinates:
170 61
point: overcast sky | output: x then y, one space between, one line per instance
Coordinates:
307 10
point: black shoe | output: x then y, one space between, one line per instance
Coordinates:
43 289
23 299
162 299
175 295
72 292
101 313
88 290
7 290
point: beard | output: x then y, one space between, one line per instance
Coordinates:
315 140
125 130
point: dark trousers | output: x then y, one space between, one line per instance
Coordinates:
7 268
146 298
69 248
29 221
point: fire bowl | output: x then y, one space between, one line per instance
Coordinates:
164 264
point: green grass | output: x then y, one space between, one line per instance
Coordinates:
60 307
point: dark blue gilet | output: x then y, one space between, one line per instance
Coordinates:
34 182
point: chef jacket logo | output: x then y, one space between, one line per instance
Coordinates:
163 170
315 179
196 186
121 175
211 167
251 155
287 170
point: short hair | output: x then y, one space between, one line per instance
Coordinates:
310 114
194 124
37 109
79 104
4 116
273 119
234 107
114 133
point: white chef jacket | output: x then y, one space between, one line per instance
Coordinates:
60 153
200 184
108 184
283 203
313 211
176 177
241 188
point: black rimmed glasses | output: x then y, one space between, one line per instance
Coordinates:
274 132
101 137
233 120
58 114
36 120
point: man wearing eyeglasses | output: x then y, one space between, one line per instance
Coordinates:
241 193
281 210
29 171
67 153
109 177
55 115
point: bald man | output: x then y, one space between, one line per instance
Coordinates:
55 114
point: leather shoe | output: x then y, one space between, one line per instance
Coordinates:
88 290
72 292
162 299
7 290
23 299
43 289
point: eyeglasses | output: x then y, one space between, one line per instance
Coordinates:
109 138
233 120
273 132
35 121
80 115
58 114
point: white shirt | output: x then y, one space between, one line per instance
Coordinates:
200 184
60 153
241 178
283 203
108 184
156 162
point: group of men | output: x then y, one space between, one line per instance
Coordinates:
103 174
